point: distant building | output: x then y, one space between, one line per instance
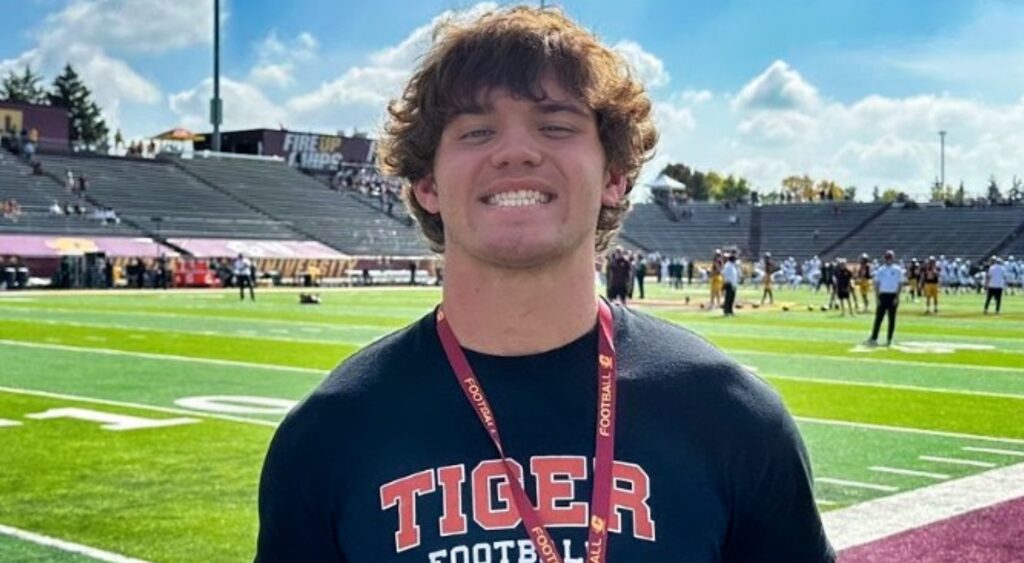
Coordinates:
51 123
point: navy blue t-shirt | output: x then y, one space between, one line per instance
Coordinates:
387 462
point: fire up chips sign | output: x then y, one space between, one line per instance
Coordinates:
312 151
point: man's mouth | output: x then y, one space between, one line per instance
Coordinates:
518 198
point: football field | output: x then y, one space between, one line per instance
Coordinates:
133 425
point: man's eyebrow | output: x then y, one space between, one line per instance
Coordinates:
558 107
471 108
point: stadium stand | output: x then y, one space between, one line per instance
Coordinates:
36 194
163 200
334 218
804 229
699 228
964 232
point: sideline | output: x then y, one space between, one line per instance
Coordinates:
71 547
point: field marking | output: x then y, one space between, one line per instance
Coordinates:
994 451
824 502
63 545
880 360
79 398
4 423
879 518
908 430
856 484
896 386
910 472
170 357
958 461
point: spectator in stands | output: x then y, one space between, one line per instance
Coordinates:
69 180
83 186
55 208
244 277
12 210
888 283
37 167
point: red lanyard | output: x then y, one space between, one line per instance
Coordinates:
604 436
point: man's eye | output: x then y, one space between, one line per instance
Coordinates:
477 134
557 130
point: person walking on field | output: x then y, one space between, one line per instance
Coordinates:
244 277
888 284
995 282
493 428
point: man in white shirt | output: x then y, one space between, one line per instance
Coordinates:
888 283
995 281
243 277
731 276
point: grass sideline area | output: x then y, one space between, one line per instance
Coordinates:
875 420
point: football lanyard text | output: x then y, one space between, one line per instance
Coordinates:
604 449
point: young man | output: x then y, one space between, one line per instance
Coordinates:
888 284
930 286
995 282
844 287
767 280
864 279
493 429
244 277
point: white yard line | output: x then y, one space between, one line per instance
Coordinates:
169 357
883 517
824 502
896 386
70 547
996 451
169 410
856 484
957 461
880 361
907 430
910 472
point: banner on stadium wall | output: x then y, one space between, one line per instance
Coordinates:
43 246
312 151
217 248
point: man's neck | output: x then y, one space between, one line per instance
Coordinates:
506 312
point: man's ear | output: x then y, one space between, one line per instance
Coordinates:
614 188
425 192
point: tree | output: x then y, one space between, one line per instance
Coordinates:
23 88
993 191
730 189
696 187
850 193
800 187
894 194
940 193
875 197
713 180
87 126
829 187
960 194
1016 193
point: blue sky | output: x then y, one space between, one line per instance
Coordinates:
853 91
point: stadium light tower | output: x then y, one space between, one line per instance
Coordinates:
216 109
942 159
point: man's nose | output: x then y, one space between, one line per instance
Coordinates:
516 147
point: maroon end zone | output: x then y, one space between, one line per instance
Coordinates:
988 535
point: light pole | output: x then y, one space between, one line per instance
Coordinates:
942 159
216 109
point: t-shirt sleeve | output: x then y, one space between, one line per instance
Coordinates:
294 506
775 517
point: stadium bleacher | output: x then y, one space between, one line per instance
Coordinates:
35 194
964 232
804 229
308 206
161 199
695 234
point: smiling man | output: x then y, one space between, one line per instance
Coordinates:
524 419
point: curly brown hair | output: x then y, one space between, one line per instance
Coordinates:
513 49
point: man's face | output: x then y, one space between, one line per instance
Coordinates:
520 183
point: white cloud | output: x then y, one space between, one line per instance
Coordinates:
279 75
780 128
694 97
405 54
673 119
649 68
778 88
244 106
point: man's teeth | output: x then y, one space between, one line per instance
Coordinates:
518 198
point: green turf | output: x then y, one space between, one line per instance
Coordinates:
23 551
187 493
